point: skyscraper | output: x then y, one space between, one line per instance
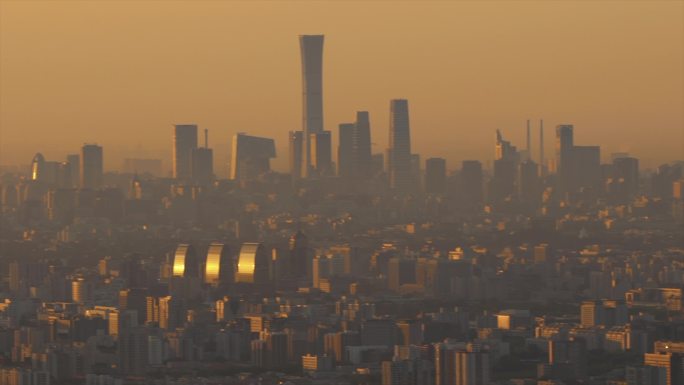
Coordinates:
345 150
296 142
529 185
321 153
311 47
74 162
184 143
626 172
435 176
585 169
203 162
361 140
505 168
91 166
471 185
564 156
399 152
250 156
354 151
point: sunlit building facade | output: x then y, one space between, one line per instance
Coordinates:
253 264
219 269
185 261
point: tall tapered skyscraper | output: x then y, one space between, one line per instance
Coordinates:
311 47
184 144
399 152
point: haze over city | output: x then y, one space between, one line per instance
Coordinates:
120 74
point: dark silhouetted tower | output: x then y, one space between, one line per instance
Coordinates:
250 156
184 144
399 152
362 145
529 185
564 156
203 162
345 150
626 173
74 162
505 169
91 166
435 176
311 47
300 265
471 184
296 144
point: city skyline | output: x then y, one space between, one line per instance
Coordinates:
435 113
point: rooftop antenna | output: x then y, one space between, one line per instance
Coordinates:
206 138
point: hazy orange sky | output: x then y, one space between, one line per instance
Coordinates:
121 73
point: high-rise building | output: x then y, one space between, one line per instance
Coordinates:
400 271
37 166
568 358
184 143
471 184
529 184
472 367
564 156
79 290
345 150
410 331
578 167
320 146
311 47
133 350
171 312
203 163
586 169
399 151
626 173
74 162
669 367
296 144
91 166
591 313
298 247
435 176
505 170
361 139
354 151
251 156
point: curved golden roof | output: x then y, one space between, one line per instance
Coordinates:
214 265
180 259
247 263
